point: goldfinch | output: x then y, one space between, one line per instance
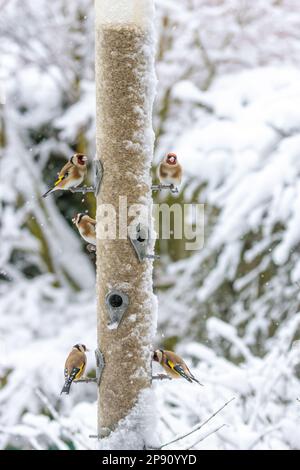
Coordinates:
169 171
71 175
86 227
174 365
74 366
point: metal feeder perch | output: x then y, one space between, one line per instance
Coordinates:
140 241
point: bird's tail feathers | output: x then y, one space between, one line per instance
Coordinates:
69 380
196 380
181 372
66 387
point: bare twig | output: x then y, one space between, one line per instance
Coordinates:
167 424
211 67
282 133
262 435
207 435
198 426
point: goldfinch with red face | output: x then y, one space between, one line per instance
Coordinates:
86 227
71 175
174 365
170 171
74 366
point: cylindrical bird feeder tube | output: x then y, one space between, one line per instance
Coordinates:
125 91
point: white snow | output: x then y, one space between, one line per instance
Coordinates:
138 12
136 430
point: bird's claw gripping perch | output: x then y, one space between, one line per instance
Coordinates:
91 248
161 377
86 380
160 187
83 189
152 256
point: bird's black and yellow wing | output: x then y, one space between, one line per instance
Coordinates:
177 369
64 173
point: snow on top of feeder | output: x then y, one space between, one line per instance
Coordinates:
138 12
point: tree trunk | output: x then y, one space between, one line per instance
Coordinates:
124 83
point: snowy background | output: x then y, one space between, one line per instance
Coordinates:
228 103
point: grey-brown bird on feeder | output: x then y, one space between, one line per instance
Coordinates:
86 227
170 171
71 175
